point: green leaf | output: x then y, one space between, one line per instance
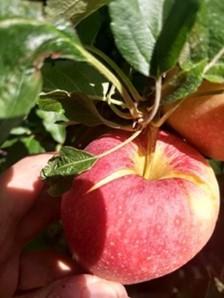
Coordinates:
74 10
136 25
20 130
77 107
6 125
215 74
207 41
72 77
50 104
71 161
89 28
26 44
175 33
217 166
18 92
151 34
17 147
32 145
18 8
50 119
81 109
186 83
58 185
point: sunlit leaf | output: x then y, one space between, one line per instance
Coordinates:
26 44
136 25
207 41
70 161
187 82
56 130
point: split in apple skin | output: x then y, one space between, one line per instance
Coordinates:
127 227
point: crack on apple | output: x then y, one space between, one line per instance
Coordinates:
173 174
118 174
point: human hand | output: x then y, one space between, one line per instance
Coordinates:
25 210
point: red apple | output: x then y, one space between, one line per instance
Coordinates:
200 119
128 228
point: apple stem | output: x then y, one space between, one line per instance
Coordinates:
118 112
163 119
151 146
133 91
121 145
132 106
156 105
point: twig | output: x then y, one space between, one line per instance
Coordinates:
127 141
214 60
117 70
114 101
117 111
163 119
114 80
155 107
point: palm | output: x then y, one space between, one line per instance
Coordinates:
22 201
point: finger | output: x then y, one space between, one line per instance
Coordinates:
19 188
80 286
45 210
9 276
40 268
21 184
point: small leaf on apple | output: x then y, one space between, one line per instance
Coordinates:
58 185
71 161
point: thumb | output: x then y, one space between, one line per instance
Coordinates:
80 286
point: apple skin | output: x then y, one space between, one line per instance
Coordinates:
128 228
200 119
